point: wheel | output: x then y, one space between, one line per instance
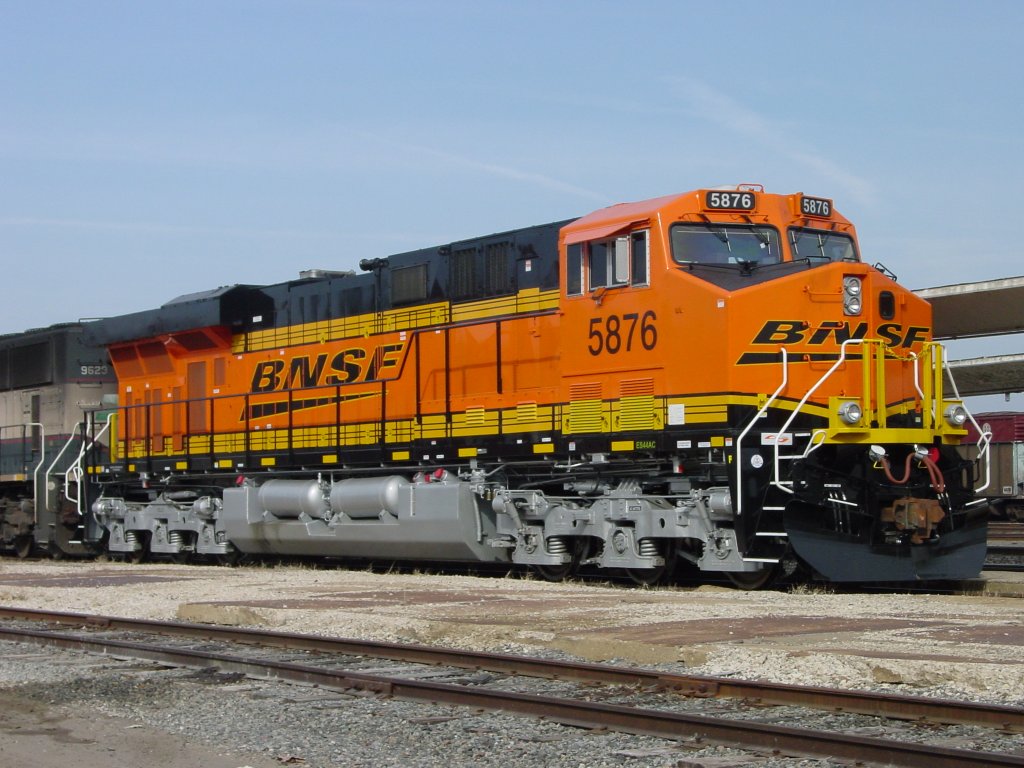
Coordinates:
751 580
23 547
554 573
136 556
230 559
649 577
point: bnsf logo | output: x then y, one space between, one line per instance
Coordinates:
798 332
350 366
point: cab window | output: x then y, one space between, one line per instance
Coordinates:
612 262
738 245
821 245
638 252
574 269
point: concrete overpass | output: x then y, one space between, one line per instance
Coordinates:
976 310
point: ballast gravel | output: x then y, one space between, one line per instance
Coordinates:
977 655
293 725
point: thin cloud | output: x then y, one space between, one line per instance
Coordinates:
325 239
492 169
717 107
158 228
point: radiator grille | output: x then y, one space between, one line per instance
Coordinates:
585 407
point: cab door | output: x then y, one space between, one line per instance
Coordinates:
611 368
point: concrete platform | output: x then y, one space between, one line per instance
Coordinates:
995 582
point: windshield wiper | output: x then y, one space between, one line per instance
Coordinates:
721 234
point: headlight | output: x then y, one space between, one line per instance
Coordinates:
851 412
956 415
852 289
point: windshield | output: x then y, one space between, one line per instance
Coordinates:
821 244
740 244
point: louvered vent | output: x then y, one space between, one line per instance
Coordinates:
636 404
588 391
585 407
526 413
475 417
632 387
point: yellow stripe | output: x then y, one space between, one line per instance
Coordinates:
591 415
409 318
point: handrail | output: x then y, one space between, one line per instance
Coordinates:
77 465
67 444
931 399
74 471
984 438
781 484
413 337
35 472
739 440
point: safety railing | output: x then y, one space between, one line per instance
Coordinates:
363 414
928 369
75 473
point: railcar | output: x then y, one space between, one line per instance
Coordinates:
49 378
714 378
1005 485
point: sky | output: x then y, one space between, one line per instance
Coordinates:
153 149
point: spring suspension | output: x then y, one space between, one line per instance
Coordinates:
131 539
558 545
176 539
649 548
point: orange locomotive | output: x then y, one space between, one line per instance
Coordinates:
712 378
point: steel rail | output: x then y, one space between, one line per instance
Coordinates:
740 733
1000 531
872 703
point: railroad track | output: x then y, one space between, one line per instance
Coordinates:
1005 547
328 663
1003 531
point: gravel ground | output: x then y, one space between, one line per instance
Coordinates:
945 645
283 724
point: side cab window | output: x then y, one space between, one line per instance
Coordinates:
608 263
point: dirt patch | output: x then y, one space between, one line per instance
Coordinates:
225 615
733 630
91 580
47 736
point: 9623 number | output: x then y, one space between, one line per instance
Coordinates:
614 334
